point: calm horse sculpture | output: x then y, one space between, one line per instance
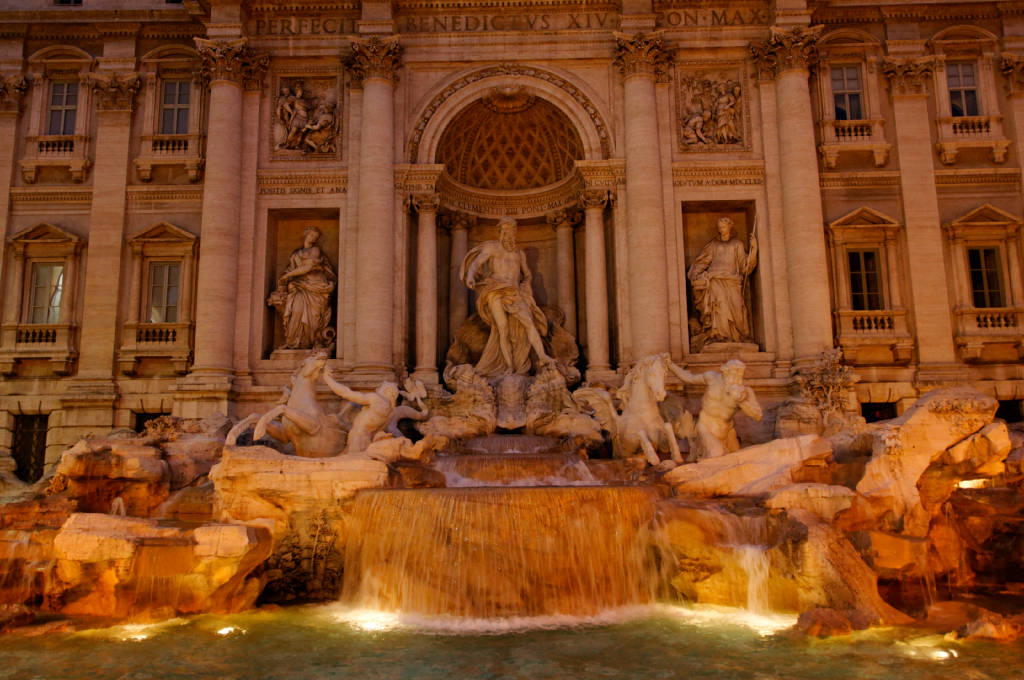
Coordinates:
303 422
639 428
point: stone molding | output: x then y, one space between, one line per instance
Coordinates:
12 91
114 91
510 69
847 180
643 54
690 175
605 175
458 197
274 183
909 76
232 60
786 50
374 58
417 178
1012 66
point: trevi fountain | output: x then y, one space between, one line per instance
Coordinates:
524 524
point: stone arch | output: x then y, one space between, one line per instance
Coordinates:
963 32
176 52
851 36
60 53
465 88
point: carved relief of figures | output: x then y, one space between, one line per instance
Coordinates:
710 111
302 297
308 121
719 280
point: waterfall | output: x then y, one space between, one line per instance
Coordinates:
528 469
500 552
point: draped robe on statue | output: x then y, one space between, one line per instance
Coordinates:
718 276
516 299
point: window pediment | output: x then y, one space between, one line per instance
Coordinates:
864 217
985 221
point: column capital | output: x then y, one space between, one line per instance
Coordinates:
593 198
12 90
563 218
1012 66
459 221
426 202
374 58
114 91
642 54
232 60
786 50
908 76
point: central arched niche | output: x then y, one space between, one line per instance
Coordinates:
509 140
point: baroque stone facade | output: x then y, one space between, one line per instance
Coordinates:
162 164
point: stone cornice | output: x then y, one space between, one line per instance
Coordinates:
908 76
12 90
293 6
374 58
602 175
114 91
458 197
232 60
418 178
642 54
786 50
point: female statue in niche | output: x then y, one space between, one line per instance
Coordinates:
719 277
302 297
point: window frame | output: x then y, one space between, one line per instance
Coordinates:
961 90
30 288
996 272
177 108
846 93
148 282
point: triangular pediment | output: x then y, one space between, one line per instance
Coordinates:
864 217
164 232
45 233
986 214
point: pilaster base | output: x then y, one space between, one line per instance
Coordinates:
199 395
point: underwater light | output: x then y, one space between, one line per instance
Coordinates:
228 630
980 483
370 620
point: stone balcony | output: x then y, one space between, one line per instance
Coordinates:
874 336
168 341
990 334
182 150
52 343
846 136
971 132
59 151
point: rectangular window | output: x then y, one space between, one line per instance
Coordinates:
163 292
847 93
45 292
865 282
983 266
28 447
62 109
174 104
963 89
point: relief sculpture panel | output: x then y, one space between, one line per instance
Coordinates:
711 111
306 117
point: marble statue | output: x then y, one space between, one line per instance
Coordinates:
302 297
551 411
378 408
639 427
498 273
298 417
714 434
306 132
471 410
719 277
319 132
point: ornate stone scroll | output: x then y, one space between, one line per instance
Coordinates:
642 54
908 76
785 50
306 116
12 90
711 111
374 58
114 91
232 60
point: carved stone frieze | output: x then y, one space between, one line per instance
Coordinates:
510 69
12 90
605 175
642 54
278 183
374 58
688 175
306 119
1012 66
786 50
711 114
908 76
114 91
232 60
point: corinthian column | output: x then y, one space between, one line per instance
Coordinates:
932 323
229 65
562 222
374 65
426 287
114 94
787 56
640 58
593 202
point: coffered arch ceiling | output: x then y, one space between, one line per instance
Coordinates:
509 140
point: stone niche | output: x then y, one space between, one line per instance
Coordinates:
285 233
537 240
699 229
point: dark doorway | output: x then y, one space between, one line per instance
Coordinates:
28 447
873 411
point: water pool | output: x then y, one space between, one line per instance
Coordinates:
308 643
